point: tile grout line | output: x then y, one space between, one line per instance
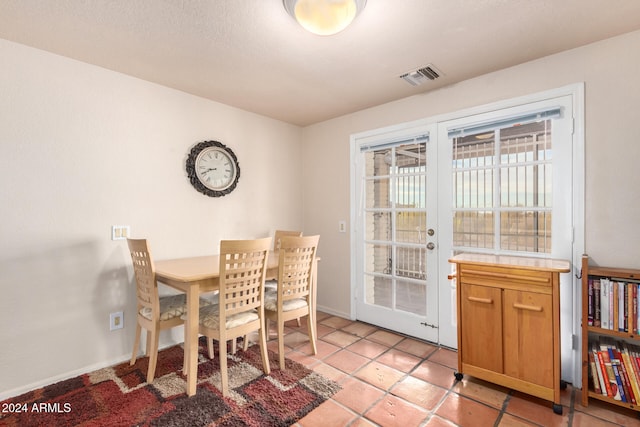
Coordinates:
449 391
405 374
429 413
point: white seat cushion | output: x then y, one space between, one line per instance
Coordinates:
270 285
271 302
172 306
210 317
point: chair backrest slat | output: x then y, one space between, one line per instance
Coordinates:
243 267
297 256
145 276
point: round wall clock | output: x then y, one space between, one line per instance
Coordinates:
213 168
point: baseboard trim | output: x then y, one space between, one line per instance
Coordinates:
333 312
7 394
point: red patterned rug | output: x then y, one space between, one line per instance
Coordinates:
120 396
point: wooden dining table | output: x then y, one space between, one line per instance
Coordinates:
201 274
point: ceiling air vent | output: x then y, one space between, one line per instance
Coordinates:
421 75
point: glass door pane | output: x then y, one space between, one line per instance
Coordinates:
395 257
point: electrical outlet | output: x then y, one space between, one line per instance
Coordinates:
342 226
120 232
116 321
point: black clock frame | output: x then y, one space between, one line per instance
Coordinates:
191 169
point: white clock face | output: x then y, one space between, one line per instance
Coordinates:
215 168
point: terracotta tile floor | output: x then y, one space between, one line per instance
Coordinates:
391 380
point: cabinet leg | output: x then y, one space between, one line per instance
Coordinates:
557 409
458 376
563 385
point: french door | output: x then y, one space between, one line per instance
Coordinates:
505 178
396 228
511 192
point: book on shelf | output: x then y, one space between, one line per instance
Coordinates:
595 375
632 370
605 385
628 356
604 303
590 303
614 369
625 305
613 390
596 303
613 304
633 303
635 362
626 394
617 374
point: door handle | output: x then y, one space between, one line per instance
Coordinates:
431 246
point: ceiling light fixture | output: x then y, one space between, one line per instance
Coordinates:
324 17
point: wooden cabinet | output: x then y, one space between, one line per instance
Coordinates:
509 322
592 333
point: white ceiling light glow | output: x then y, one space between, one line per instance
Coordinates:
324 17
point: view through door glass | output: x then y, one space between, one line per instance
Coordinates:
395 235
502 182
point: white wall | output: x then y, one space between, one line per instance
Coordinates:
83 148
609 70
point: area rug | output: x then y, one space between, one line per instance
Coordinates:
120 395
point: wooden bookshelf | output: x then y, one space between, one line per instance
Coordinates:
594 332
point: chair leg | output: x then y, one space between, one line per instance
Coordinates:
147 351
298 322
153 354
312 333
184 363
262 337
136 344
266 328
234 346
185 358
224 375
281 342
210 348
245 342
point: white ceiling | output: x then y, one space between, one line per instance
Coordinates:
252 55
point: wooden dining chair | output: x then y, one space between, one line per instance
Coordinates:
154 313
279 234
292 298
277 237
271 280
243 267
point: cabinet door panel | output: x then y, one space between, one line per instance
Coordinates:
528 337
481 322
